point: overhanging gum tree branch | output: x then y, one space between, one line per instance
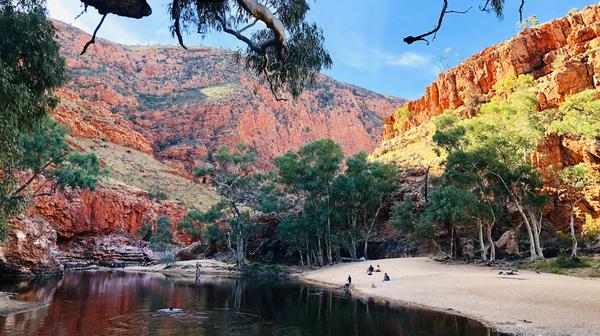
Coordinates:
497 6
263 14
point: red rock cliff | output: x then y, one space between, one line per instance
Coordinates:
189 102
564 55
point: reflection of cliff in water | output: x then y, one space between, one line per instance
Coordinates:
116 303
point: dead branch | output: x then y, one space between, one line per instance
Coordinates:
93 39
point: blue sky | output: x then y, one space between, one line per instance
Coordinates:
364 38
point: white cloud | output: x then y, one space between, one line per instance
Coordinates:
407 59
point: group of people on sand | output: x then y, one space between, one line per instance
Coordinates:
370 271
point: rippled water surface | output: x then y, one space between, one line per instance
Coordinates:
120 303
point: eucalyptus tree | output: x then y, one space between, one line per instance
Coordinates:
30 68
572 183
283 49
362 192
489 155
35 159
309 176
44 164
245 193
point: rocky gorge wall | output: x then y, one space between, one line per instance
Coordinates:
190 102
563 56
153 113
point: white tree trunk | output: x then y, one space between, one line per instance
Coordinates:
537 230
491 242
573 236
532 250
482 242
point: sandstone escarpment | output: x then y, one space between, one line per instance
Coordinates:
86 119
188 103
108 210
564 58
563 55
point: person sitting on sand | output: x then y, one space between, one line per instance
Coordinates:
370 270
378 269
386 277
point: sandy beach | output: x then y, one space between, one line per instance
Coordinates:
526 304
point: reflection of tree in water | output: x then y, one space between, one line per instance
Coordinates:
128 303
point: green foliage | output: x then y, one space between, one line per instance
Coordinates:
401 115
449 205
558 264
309 176
42 151
591 227
402 217
145 231
578 115
512 84
162 238
215 234
158 195
285 63
564 241
245 193
30 67
578 177
531 21
487 163
78 170
335 208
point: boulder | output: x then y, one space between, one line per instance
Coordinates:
508 242
31 249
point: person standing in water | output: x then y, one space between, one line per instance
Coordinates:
349 280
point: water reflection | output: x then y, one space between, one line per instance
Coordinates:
119 303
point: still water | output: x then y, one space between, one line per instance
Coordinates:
121 303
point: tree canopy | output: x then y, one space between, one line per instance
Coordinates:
35 159
282 48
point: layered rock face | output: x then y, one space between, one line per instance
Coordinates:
109 209
563 55
31 249
190 102
153 113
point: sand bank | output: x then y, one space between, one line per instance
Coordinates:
528 303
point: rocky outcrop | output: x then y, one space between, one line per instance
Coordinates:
188 103
86 119
108 210
563 55
109 251
557 152
564 58
31 249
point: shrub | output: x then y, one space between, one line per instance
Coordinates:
158 195
591 227
162 239
145 232
564 240
565 261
